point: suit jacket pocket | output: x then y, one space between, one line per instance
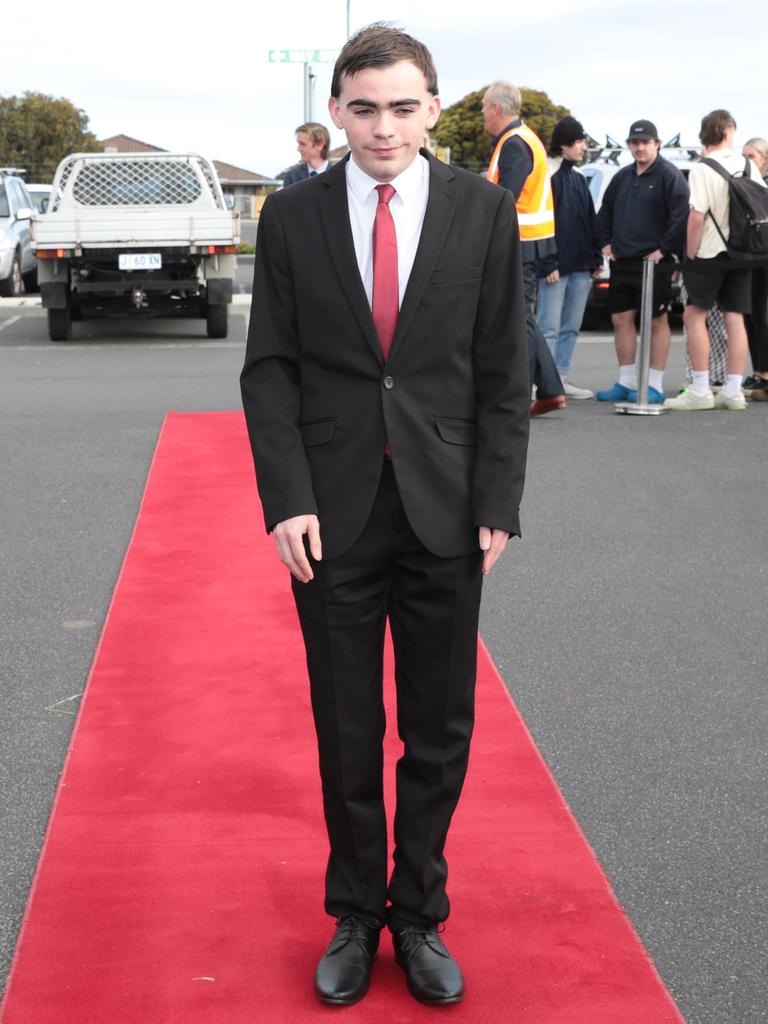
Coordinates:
457 431
456 275
317 432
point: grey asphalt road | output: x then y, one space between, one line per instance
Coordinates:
629 623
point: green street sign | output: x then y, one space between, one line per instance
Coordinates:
303 56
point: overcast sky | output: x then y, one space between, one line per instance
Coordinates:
196 75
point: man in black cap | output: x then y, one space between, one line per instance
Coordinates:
643 217
565 277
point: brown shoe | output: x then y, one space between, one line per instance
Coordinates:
542 405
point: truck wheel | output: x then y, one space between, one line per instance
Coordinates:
13 285
59 324
216 321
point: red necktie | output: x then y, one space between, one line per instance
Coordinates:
386 294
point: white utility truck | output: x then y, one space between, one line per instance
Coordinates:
141 234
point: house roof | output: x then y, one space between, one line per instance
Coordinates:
126 144
227 172
230 172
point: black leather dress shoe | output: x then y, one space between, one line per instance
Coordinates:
344 973
432 974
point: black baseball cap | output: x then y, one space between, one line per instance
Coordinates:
645 130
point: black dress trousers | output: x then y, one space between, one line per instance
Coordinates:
433 605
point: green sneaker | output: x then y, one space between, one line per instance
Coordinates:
689 401
736 403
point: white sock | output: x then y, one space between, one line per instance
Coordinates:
732 385
627 376
700 381
656 379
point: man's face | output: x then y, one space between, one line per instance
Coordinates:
576 151
308 150
490 115
644 151
385 113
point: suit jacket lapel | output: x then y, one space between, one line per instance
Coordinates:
441 206
334 211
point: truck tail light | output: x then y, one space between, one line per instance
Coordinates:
213 249
51 254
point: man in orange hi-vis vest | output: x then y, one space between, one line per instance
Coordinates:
519 163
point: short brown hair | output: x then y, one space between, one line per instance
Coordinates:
381 45
318 135
714 126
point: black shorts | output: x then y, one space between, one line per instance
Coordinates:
626 291
714 280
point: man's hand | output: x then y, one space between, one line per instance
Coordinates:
694 232
654 257
608 251
553 278
492 542
289 537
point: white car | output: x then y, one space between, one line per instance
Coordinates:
40 195
18 268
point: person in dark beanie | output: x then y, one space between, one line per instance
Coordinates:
565 277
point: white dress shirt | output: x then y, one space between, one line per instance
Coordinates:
407 206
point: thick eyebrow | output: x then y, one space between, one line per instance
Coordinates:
394 103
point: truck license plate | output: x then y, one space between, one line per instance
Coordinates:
140 261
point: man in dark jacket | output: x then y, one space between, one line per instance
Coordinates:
565 277
313 142
643 217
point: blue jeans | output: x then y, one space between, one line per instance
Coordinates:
559 314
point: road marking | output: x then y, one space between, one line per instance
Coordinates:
58 707
7 323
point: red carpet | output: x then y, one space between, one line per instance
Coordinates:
181 878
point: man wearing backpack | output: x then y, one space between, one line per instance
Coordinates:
715 271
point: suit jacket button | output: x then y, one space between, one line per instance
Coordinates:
389 383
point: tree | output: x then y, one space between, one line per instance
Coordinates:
38 131
461 126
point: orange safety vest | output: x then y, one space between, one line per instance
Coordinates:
535 207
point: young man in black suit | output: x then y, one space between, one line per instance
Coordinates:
386 392
313 142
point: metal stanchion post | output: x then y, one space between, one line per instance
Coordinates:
641 407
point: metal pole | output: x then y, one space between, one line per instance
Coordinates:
312 82
646 317
348 2
641 406
307 93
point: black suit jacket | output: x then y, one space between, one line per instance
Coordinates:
298 172
452 398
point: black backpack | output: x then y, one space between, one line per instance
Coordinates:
748 214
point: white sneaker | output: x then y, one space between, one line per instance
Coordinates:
572 391
736 403
689 401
